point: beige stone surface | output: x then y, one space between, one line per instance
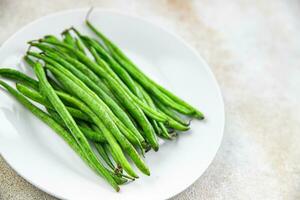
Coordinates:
253 47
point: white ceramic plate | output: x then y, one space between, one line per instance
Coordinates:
43 159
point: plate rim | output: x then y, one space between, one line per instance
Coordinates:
164 29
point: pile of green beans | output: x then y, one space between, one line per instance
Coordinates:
93 96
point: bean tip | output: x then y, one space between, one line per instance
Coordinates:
199 115
189 122
117 188
89 13
28 49
65 31
32 41
156 148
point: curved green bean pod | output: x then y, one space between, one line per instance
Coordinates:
36 96
104 155
18 76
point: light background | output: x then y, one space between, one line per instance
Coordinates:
253 48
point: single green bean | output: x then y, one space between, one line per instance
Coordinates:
159 125
168 111
107 150
18 76
92 135
113 155
104 155
79 45
88 132
68 39
36 96
31 63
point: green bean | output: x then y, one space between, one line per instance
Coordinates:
92 135
49 92
96 105
158 125
155 126
36 96
18 76
108 150
104 155
31 63
118 169
75 42
164 131
68 39
168 111
60 131
58 49
54 84
148 100
88 132
113 155
148 83
79 45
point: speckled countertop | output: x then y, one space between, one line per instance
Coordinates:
253 48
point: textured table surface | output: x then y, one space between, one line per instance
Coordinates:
253 47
